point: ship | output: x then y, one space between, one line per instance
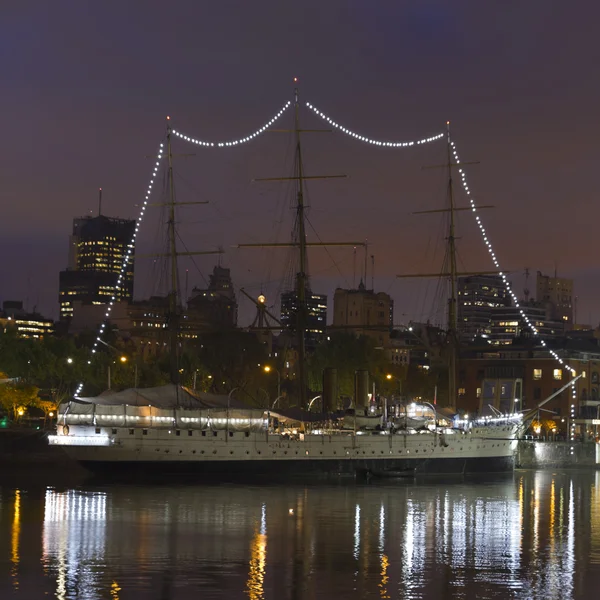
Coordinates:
175 430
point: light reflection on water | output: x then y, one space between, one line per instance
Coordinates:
537 535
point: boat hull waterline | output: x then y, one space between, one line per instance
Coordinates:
489 450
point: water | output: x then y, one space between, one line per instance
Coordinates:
535 535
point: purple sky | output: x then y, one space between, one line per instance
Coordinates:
86 87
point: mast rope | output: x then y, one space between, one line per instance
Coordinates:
243 140
127 257
492 254
367 140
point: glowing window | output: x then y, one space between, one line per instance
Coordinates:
557 374
537 373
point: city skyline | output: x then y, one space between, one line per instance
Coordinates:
101 115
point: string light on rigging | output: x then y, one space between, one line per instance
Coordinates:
492 254
126 259
243 140
373 142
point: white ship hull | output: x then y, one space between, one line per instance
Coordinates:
132 450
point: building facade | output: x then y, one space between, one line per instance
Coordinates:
216 305
478 297
26 324
316 317
557 293
508 323
97 248
520 377
364 312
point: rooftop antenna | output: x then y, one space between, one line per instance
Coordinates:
99 201
373 272
366 256
354 269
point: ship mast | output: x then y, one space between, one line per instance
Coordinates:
452 303
302 281
173 317
301 277
449 269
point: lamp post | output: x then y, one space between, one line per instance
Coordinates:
123 359
228 401
268 369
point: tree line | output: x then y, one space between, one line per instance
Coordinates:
49 370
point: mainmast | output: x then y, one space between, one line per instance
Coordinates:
452 303
173 317
301 277
301 282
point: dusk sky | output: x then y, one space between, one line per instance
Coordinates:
87 86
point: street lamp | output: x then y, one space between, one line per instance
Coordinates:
69 361
268 369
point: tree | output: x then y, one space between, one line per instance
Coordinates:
228 360
347 354
16 398
48 407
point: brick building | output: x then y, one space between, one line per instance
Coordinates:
520 377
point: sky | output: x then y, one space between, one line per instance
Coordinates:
87 87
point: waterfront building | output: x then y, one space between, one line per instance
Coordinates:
521 375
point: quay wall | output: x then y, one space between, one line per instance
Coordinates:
553 455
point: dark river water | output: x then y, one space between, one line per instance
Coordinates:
533 535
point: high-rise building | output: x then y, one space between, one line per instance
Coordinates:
316 317
97 248
478 296
216 304
364 312
556 293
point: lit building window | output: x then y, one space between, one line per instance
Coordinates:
537 374
461 391
557 374
479 392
